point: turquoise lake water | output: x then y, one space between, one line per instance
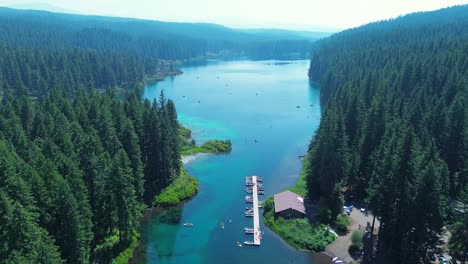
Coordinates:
270 111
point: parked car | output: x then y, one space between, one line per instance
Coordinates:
442 259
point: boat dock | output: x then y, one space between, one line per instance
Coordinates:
256 218
252 182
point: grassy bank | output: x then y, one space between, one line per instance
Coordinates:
211 146
298 232
183 187
188 146
125 256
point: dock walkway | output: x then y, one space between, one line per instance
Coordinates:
256 219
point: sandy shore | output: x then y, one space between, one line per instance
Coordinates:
189 158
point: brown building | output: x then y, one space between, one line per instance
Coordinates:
289 204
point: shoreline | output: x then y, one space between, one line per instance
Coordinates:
186 159
326 254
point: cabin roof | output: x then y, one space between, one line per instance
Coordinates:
289 200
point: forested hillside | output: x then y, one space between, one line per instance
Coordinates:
395 126
75 173
40 49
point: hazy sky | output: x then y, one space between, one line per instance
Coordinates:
293 14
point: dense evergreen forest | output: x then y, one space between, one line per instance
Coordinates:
76 173
395 128
40 49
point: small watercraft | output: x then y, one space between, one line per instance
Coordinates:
188 224
248 243
249 230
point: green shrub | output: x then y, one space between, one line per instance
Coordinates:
342 223
298 232
217 146
125 256
356 239
268 204
182 188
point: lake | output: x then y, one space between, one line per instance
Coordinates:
270 111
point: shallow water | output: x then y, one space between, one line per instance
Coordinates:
270 112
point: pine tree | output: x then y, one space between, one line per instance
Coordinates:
123 195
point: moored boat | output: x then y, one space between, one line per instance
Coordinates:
248 230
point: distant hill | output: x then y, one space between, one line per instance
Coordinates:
139 27
40 49
290 34
42 6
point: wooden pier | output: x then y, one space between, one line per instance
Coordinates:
256 219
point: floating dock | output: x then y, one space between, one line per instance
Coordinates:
256 219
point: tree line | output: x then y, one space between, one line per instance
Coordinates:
395 126
75 174
39 49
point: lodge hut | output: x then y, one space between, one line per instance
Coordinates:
289 205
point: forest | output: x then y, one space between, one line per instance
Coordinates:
394 131
77 173
40 49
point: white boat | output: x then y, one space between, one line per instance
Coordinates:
188 224
249 231
248 243
335 258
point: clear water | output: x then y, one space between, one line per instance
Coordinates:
270 111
